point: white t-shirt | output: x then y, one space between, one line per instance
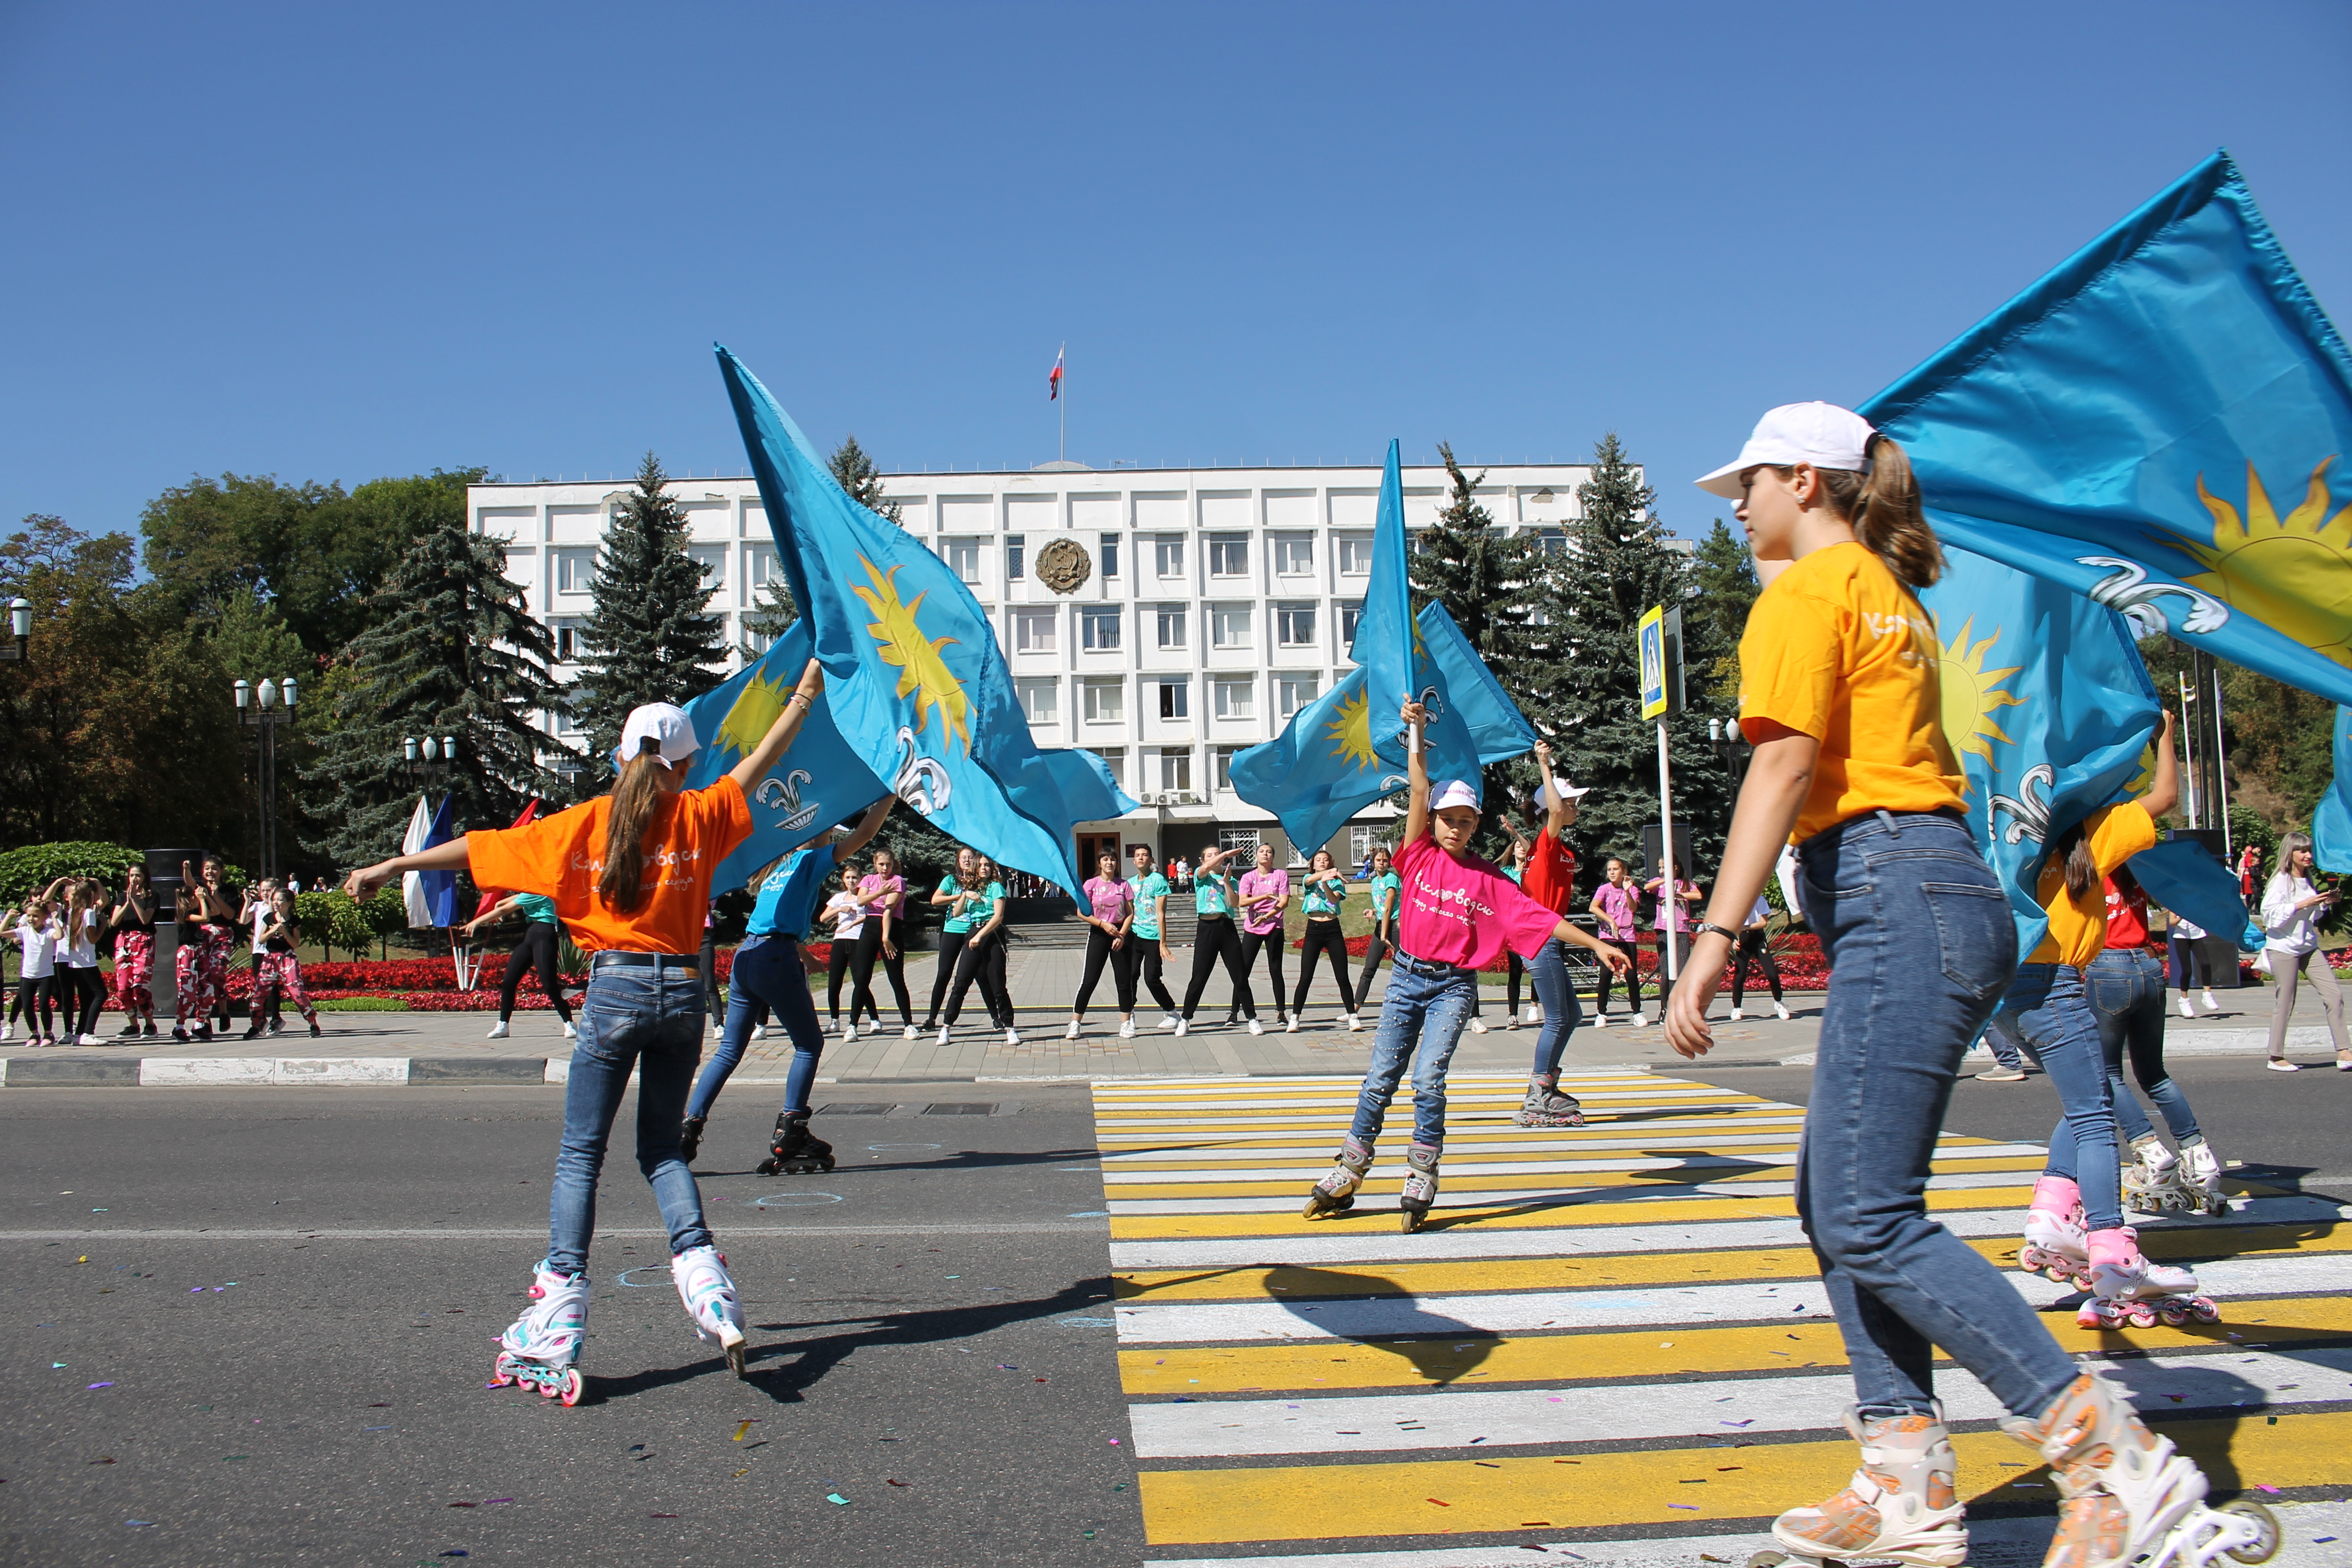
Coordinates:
262 920
848 915
81 951
40 945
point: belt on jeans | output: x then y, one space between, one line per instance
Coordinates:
1422 966
684 963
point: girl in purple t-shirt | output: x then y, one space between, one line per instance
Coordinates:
1456 912
1264 897
1109 911
883 891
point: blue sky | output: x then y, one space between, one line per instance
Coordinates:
334 242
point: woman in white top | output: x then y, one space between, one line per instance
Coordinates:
79 989
846 911
2292 911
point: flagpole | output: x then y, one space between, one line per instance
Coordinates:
2189 745
2222 769
1062 359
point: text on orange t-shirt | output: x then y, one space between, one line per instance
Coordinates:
561 856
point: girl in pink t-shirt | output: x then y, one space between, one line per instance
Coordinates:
1264 897
1456 912
883 891
1108 911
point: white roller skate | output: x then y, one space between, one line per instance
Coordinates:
538 1349
1420 1186
1545 1106
2128 1494
2054 1235
2201 1177
2152 1183
1336 1193
2126 1288
709 1296
1902 1505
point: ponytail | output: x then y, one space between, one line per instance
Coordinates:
1882 501
633 800
2081 865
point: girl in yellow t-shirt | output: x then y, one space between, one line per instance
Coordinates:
1839 696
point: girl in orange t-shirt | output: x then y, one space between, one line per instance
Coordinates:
630 875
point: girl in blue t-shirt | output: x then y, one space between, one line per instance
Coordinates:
533 950
1326 894
1217 939
1149 933
770 975
1385 887
984 902
955 929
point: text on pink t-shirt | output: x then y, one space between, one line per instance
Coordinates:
1617 910
1110 898
1256 884
871 888
1464 912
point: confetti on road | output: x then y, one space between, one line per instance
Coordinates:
836 1498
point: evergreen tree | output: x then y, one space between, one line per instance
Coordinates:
649 637
451 650
1618 564
1724 573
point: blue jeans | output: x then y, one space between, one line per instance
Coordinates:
1919 942
2128 998
2049 1004
768 974
1562 1011
1422 1020
652 1019
2001 1039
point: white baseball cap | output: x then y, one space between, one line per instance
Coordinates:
1456 791
1569 792
1821 434
665 724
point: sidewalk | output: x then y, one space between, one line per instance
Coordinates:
449 1047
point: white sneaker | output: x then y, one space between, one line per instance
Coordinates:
2208 1003
849 1030
1072 1032
1355 1024
1478 1024
499 1030
1599 1020
570 1033
1255 1027
1171 1022
911 1031
943 1033
1292 1027
6 1031
1184 1027
1126 1028
759 1031
1735 1014
2185 1010
1641 1020
1780 1010
1012 1036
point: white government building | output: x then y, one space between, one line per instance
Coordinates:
1164 618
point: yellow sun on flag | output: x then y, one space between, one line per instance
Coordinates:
2292 573
756 708
923 673
1351 731
1971 693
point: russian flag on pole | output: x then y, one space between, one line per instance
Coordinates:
1054 381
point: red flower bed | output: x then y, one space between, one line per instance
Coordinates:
381 977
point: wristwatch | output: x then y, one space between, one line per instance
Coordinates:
1724 932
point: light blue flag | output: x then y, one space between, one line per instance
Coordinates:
817 783
2186 878
2331 821
1392 652
1325 767
2160 424
917 685
2049 711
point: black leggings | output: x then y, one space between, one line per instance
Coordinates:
1272 943
836 968
982 962
1510 987
1121 960
535 949
1216 939
81 993
1631 948
1383 939
952 944
1322 936
1147 970
32 993
1753 945
894 964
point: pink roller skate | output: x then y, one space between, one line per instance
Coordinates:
2054 1234
2128 1288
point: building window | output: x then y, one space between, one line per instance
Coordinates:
758 565
1115 759
1294 557
1552 542
566 722
574 571
1229 626
1099 627
1237 699
568 642
1245 839
757 642
1106 553
1032 630
1168 556
1041 699
1355 557
1176 771
1016 548
1105 701
1363 838
1292 692
712 559
1175 700
1172 626
1351 615
962 556
1221 768
1229 557
1293 626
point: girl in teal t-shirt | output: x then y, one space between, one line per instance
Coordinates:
1217 938
1148 936
1326 891
982 958
534 949
1386 888
955 930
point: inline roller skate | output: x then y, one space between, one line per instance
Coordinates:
2054 1235
2128 1494
2152 1183
708 1293
538 1349
1903 1503
794 1149
2202 1176
1336 1193
2128 1288
1420 1186
1545 1106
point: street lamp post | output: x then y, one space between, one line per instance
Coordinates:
427 763
20 630
1731 748
262 709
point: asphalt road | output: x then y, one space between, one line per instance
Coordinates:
291 1297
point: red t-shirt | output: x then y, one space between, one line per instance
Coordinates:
1550 877
1464 912
2127 917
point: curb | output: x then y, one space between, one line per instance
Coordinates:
342 1072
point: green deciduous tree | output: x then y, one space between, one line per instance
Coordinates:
649 637
452 651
